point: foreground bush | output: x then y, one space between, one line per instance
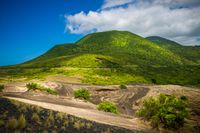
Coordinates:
1 88
82 93
35 86
166 110
107 107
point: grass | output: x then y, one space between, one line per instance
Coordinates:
12 123
35 118
50 120
60 115
82 93
107 107
78 125
35 86
19 123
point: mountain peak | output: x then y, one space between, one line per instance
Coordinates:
109 38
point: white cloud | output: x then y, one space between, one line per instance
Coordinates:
143 18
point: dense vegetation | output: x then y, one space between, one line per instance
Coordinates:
115 57
107 107
35 86
166 110
82 93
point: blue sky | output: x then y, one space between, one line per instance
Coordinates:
28 28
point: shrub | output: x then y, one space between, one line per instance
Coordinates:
166 110
184 98
1 88
35 118
50 91
32 86
123 87
107 107
12 123
82 93
21 122
78 125
153 81
50 120
60 115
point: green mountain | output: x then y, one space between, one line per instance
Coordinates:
116 57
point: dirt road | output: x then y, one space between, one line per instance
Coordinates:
91 114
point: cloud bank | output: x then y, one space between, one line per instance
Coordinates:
178 20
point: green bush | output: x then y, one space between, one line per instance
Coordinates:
1 88
107 107
166 110
82 93
35 86
32 86
50 91
123 87
184 98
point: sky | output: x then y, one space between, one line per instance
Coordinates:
28 28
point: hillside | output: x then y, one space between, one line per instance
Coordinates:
115 57
188 52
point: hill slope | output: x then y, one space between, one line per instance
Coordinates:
188 52
127 48
116 57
